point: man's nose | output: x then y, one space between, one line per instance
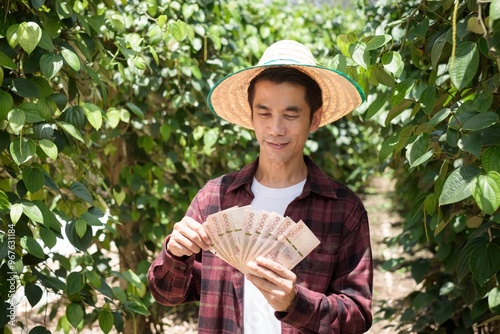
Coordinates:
278 127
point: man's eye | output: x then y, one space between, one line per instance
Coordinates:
264 114
291 116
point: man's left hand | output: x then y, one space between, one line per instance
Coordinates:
276 283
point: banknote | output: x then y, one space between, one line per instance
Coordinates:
241 234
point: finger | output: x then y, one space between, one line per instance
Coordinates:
275 267
200 231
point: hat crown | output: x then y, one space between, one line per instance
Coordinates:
287 52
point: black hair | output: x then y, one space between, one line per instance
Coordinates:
281 74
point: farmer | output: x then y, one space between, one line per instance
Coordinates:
282 99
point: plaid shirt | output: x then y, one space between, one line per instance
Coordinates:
334 282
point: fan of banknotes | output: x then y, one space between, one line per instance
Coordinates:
241 234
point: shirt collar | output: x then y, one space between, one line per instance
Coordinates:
317 181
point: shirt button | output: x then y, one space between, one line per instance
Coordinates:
182 268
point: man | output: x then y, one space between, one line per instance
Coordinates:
284 98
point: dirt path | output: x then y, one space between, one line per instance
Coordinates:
384 223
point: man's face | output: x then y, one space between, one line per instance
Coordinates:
281 120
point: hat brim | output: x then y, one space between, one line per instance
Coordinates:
228 98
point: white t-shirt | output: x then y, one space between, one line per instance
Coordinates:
258 315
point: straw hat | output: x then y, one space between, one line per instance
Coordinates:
229 97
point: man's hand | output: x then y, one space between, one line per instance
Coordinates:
276 283
188 237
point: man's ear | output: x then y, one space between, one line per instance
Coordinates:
316 120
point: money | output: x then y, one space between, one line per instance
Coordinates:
241 234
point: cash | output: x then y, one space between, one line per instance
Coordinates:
240 234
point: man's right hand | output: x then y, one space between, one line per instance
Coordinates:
188 237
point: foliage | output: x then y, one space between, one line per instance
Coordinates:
434 71
105 137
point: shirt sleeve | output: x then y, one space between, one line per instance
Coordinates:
174 280
347 308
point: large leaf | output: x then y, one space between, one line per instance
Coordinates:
463 260
81 191
480 121
4 201
418 151
32 246
71 59
106 321
28 35
485 262
457 186
22 150
17 119
71 130
491 159
34 178
33 293
49 148
464 66
74 314
94 115
6 104
51 64
75 282
486 191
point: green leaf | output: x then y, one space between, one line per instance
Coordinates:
28 35
33 293
464 66
17 119
32 211
417 151
463 260
428 99
457 186
393 63
494 300
74 314
94 115
75 282
7 62
388 147
16 211
472 143
32 246
51 64
22 150
430 204
49 148
71 130
39 330
135 109
438 118
377 105
4 201
81 227
485 262
71 59
136 307
378 41
494 23
34 178
486 191
24 87
106 321
178 30
480 121
81 244
48 237
133 279
6 104
93 279
360 55
491 159
81 191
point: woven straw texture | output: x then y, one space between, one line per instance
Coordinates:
229 98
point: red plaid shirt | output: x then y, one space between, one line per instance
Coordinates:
334 282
